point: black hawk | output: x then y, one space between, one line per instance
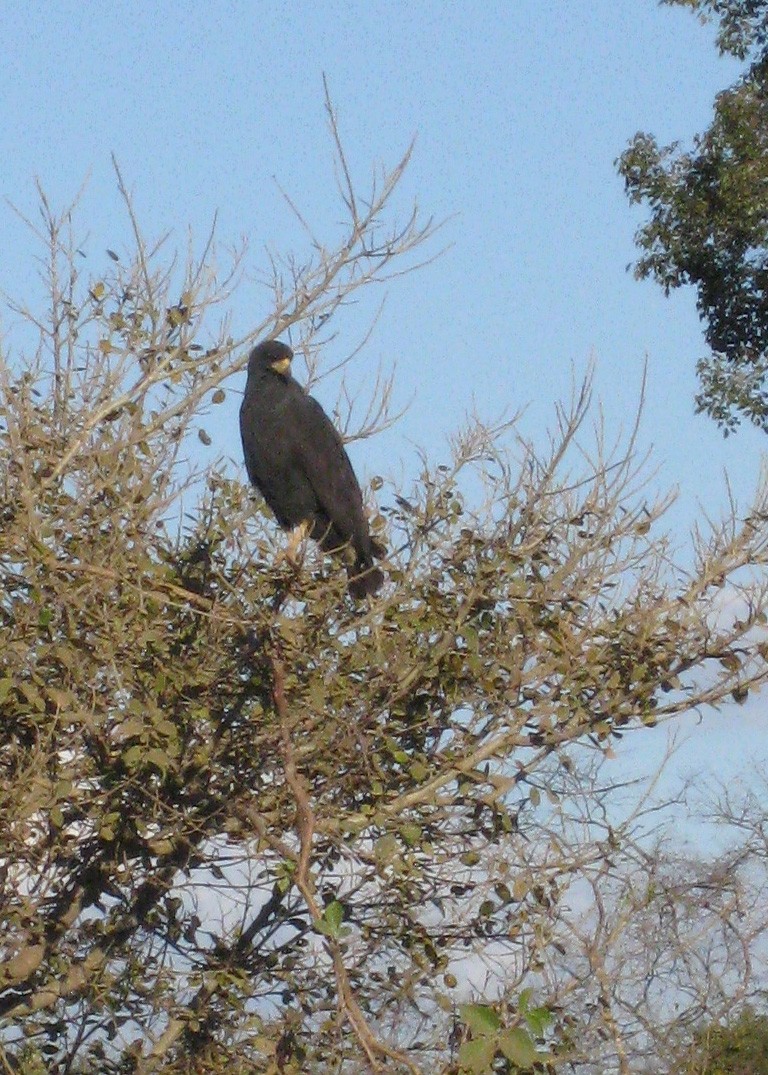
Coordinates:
296 459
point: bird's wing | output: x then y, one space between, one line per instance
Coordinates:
320 453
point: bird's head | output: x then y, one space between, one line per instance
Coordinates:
271 355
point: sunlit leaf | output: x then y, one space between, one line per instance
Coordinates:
479 1018
518 1047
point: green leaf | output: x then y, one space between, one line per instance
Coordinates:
537 1020
158 758
108 826
411 833
33 696
518 1047
477 1056
59 697
132 757
386 847
333 916
132 726
479 1018
419 771
503 893
5 688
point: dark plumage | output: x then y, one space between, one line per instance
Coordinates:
296 459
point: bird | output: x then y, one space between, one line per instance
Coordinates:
295 457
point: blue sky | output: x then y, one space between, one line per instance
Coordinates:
520 109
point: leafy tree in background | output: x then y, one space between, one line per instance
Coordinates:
250 825
709 219
738 1048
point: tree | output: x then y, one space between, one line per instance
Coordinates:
708 223
247 824
739 1048
656 937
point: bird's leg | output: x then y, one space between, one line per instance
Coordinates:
295 550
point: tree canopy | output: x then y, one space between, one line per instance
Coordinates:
739 1047
708 223
249 825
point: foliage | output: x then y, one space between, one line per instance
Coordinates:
708 223
491 1039
247 824
738 1048
742 24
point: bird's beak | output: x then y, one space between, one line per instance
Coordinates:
282 365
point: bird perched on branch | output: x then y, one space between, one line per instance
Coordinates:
295 457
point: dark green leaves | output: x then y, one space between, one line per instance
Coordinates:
708 224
